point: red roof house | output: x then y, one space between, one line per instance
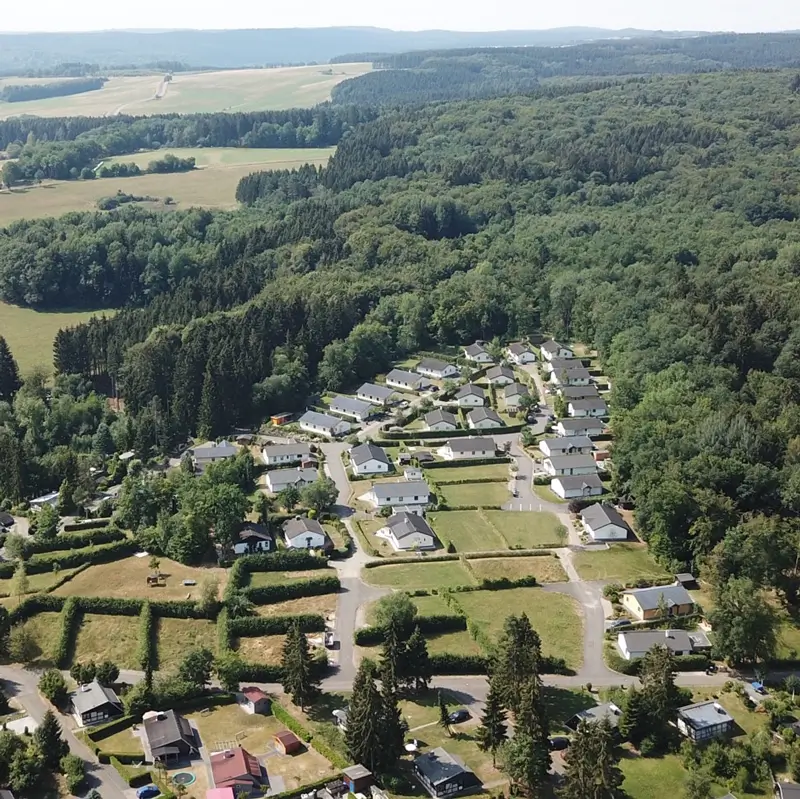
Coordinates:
236 768
254 700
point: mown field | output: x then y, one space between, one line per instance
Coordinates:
196 92
213 186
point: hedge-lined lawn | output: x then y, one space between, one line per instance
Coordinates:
413 576
546 493
124 741
324 605
36 583
368 528
114 638
262 649
258 579
622 562
480 494
223 723
528 529
748 720
45 629
177 636
493 471
467 530
127 578
554 616
546 569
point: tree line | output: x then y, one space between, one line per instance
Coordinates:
20 93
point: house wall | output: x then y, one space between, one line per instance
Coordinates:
370 467
570 470
315 540
418 540
441 426
469 455
502 381
259 546
559 491
470 401
608 532
287 457
485 424
398 500
373 400
525 357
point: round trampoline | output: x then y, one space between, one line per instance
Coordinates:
183 778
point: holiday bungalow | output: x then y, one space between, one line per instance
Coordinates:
212 452
440 420
407 381
478 353
352 408
470 396
570 445
594 407
369 459
560 465
552 349
284 454
439 370
398 493
303 533
576 486
375 394
95 703
278 479
408 532
445 775
323 425
471 447
520 353
653 603
602 522
500 375
254 538
483 419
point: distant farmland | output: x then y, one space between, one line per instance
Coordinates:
195 92
211 186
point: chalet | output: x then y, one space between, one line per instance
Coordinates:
647 603
399 493
408 532
169 736
570 445
577 376
237 769
440 420
254 538
580 427
579 392
602 522
520 353
212 452
470 396
323 425
369 459
478 353
562 465
500 376
561 363
94 704
483 419
278 479
607 710
635 644
513 394
552 349
461 449
445 775
351 408
253 700
407 381
375 394
303 533
574 487
439 370
284 454
704 721
594 408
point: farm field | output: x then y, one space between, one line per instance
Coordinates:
413 576
624 562
480 494
127 578
221 157
177 636
211 187
30 333
546 569
527 529
467 530
196 92
114 638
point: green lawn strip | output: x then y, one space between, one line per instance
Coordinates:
258 579
546 569
467 530
492 471
414 576
527 529
544 493
366 529
622 562
480 494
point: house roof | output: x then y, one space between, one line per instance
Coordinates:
590 404
402 376
470 390
320 420
220 793
552 346
92 696
364 453
439 766
574 373
607 710
297 448
287 738
406 487
649 598
356 772
581 424
643 640
568 442
704 714
288 476
600 514
515 390
213 449
571 461
349 405
471 444
572 481
253 530
234 765
479 414
565 363
519 348
788 790
404 524
438 416
254 694
579 392
432 365
500 371
374 390
295 528
477 348
167 729
423 456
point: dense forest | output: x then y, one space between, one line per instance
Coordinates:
20 93
434 75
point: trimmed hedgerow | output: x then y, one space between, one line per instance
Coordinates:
135 778
70 623
69 559
89 524
469 462
38 603
251 626
327 751
76 540
313 586
369 636
448 663
148 651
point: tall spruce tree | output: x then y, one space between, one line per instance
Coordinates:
444 713
298 669
527 754
592 764
393 657
418 663
661 697
493 732
210 413
392 728
9 373
365 718
47 738
633 723
518 659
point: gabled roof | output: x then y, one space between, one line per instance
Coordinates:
403 376
296 448
607 710
233 766
400 488
213 449
500 371
590 404
432 365
572 481
320 420
644 640
479 347
565 363
574 373
580 424
479 414
552 346
374 390
439 766
519 348
349 405
578 392
471 444
403 525
601 514
568 442
289 476
515 390
439 416
294 528
253 530
572 461
650 598
364 453
470 389
166 729
92 696
254 694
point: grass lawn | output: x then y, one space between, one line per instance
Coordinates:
468 530
324 604
412 576
495 471
546 569
748 720
544 492
623 562
528 529
124 741
127 578
554 616
262 649
45 628
36 583
480 494
367 528
177 636
426 606
30 333
114 638
283 578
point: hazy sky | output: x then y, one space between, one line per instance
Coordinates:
738 15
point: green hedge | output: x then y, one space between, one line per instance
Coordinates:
448 663
466 462
69 559
224 637
306 735
89 524
65 578
369 636
133 777
75 540
251 626
289 721
470 507
112 728
313 586
307 788
148 649
479 480
38 603
504 583
282 560
70 622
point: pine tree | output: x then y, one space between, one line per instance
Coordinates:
392 727
393 657
661 696
518 659
208 416
444 714
102 440
493 732
298 668
592 764
633 723
47 738
364 720
418 662
528 753
9 373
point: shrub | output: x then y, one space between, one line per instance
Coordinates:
448 663
135 777
69 559
612 591
70 622
147 639
313 586
251 626
469 462
54 687
75 540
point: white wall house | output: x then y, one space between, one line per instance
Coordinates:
513 394
578 376
440 420
552 349
253 538
594 408
302 533
352 408
323 425
575 486
283 454
570 445
520 353
484 419
603 522
439 370
407 381
478 353
470 396
580 427
408 532
500 375
397 494
278 479
212 452
375 394
469 448
369 459
558 465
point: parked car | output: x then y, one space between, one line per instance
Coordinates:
457 716
558 742
617 623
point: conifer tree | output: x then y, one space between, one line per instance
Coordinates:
633 723
208 415
444 714
47 738
9 373
392 727
492 733
418 662
518 659
297 667
527 754
393 657
364 720
592 764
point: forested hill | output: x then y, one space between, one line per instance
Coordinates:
425 76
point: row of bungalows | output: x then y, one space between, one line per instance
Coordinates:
573 381
407 381
437 369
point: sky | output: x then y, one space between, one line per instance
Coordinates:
464 15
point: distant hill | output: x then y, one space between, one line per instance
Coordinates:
242 48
